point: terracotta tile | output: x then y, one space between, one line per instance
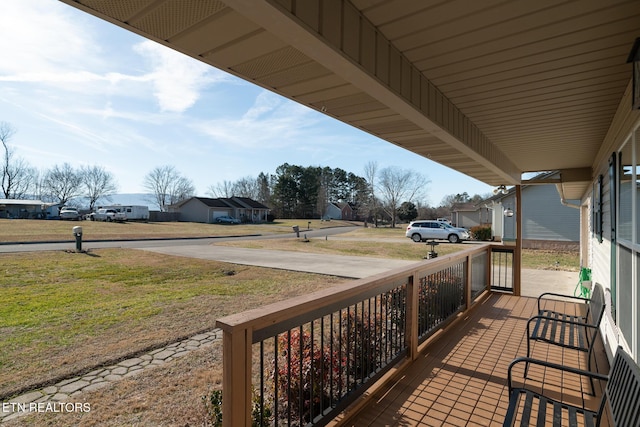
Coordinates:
462 379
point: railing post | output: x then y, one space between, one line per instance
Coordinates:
413 285
489 268
468 283
236 377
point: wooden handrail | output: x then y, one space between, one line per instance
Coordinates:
242 330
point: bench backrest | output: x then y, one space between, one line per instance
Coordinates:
623 390
596 305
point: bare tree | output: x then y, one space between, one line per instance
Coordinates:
181 189
17 175
62 183
98 183
221 189
246 187
370 173
399 185
167 186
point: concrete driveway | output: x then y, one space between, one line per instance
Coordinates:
335 265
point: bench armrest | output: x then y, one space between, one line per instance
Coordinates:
552 365
552 294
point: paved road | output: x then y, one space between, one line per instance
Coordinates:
139 244
205 248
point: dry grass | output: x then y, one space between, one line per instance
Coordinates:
65 312
30 230
168 395
372 247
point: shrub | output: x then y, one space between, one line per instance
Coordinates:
213 407
481 232
361 343
306 376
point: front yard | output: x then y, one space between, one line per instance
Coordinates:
66 313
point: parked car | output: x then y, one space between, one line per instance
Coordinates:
107 215
226 219
420 231
69 214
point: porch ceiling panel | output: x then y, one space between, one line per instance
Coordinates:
490 88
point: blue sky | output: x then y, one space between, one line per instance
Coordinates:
80 90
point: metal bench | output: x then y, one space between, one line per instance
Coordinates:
620 402
568 330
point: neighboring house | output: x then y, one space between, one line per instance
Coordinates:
469 215
546 221
205 209
332 211
22 209
338 211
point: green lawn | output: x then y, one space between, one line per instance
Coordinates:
64 312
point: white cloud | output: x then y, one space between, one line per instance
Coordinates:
177 79
270 122
66 40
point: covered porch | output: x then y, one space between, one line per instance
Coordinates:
426 345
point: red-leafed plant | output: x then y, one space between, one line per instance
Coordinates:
307 376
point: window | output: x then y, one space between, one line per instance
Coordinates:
625 174
626 242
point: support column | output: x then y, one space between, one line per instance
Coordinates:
517 256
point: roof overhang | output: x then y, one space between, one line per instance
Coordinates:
490 89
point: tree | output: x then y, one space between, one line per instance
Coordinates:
370 173
17 176
398 184
246 187
264 185
285 190
167 186
97 183
453 199
62 183
221 189
407 211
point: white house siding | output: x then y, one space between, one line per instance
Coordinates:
627 303
194 211
549 220
600 260
544 218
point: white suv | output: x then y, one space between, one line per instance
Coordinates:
420 231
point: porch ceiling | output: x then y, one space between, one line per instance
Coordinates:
491 89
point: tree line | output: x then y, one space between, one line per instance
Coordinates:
391 194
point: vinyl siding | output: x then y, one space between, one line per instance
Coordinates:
544 217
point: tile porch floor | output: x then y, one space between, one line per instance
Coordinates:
461 379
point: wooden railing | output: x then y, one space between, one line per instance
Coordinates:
302 361
502 268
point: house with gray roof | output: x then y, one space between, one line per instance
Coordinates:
206 209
